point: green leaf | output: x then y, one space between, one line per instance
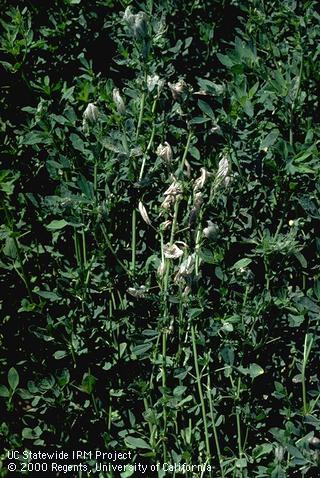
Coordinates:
4 391
194 152
60 354
133 442
88 383
225 60
206 109
141 348
255 370
184 400
126 474
199 120
77 143
35 137
31 434
263 449
248 108
269 140
48 295
295 452
301 259
179 390
241 463
242 263
13 378
207 256
122 348
57 224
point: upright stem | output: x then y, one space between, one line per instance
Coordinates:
18 249
197 248
76 247
294 101
238 420
133 240
174 222
214 428
95 177
134 212
306 352
150 141
24 275
184 157
166 314
164 384
143 99
84 248
198 377
110 246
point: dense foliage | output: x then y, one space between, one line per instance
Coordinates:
160 232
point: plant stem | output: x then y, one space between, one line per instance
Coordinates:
143 98
164 384
150 142
18 249
95 177
24 274
184 157
203 408
133 241
106 238
238 420
294 101
84 248
214 428
306 352
197 247
174 222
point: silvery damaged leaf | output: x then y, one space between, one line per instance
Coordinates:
90 116
211 231
199 182
177 88
165 152
137 291
222 176
144 213
187 265
153 81
161 269
172 251
173 191
117 98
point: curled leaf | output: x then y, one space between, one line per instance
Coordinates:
172 251
222 177
164 151
144 213
199 182
177 88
